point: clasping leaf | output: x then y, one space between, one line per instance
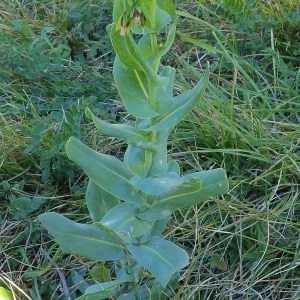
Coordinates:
160 257
125 132
106 171
131 56
122 220
97 243
183 104
213 183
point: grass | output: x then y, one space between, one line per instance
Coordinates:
244 245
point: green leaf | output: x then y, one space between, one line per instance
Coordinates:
125 132
164 94
168 6
170 201
21 207
145 46
103 290
183 104
118 10
97 243
213 183
160 157
159 226
132 87
218 262
149 291
106 171
131 56
122 220
173 166
5 294
160 257
99 202
158 185
138 160
169 42
100 272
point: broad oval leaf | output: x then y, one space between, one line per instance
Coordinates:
138 160
159 184
131 56
98 201
125 132
97 243
183 104
122 220
213 183
160 257
164 94
106 171
103 290
132 87
159 226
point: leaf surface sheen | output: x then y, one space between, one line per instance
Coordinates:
97 243
213 183
160 257
183 104
106 171
122 220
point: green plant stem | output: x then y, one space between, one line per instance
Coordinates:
129 266
152 95
153 13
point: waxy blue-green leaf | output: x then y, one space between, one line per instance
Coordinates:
169 41
138 160
151 290
159 226
106 171
145 47
173 166
145 44
159 184
98 201
122 220
160 257
164 94
183 104
103 290
131 56
97 243
160 156
168 6
213 183
132 87
118 10
128 133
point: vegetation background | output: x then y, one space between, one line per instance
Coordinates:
56 60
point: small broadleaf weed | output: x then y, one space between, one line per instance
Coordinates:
131 201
